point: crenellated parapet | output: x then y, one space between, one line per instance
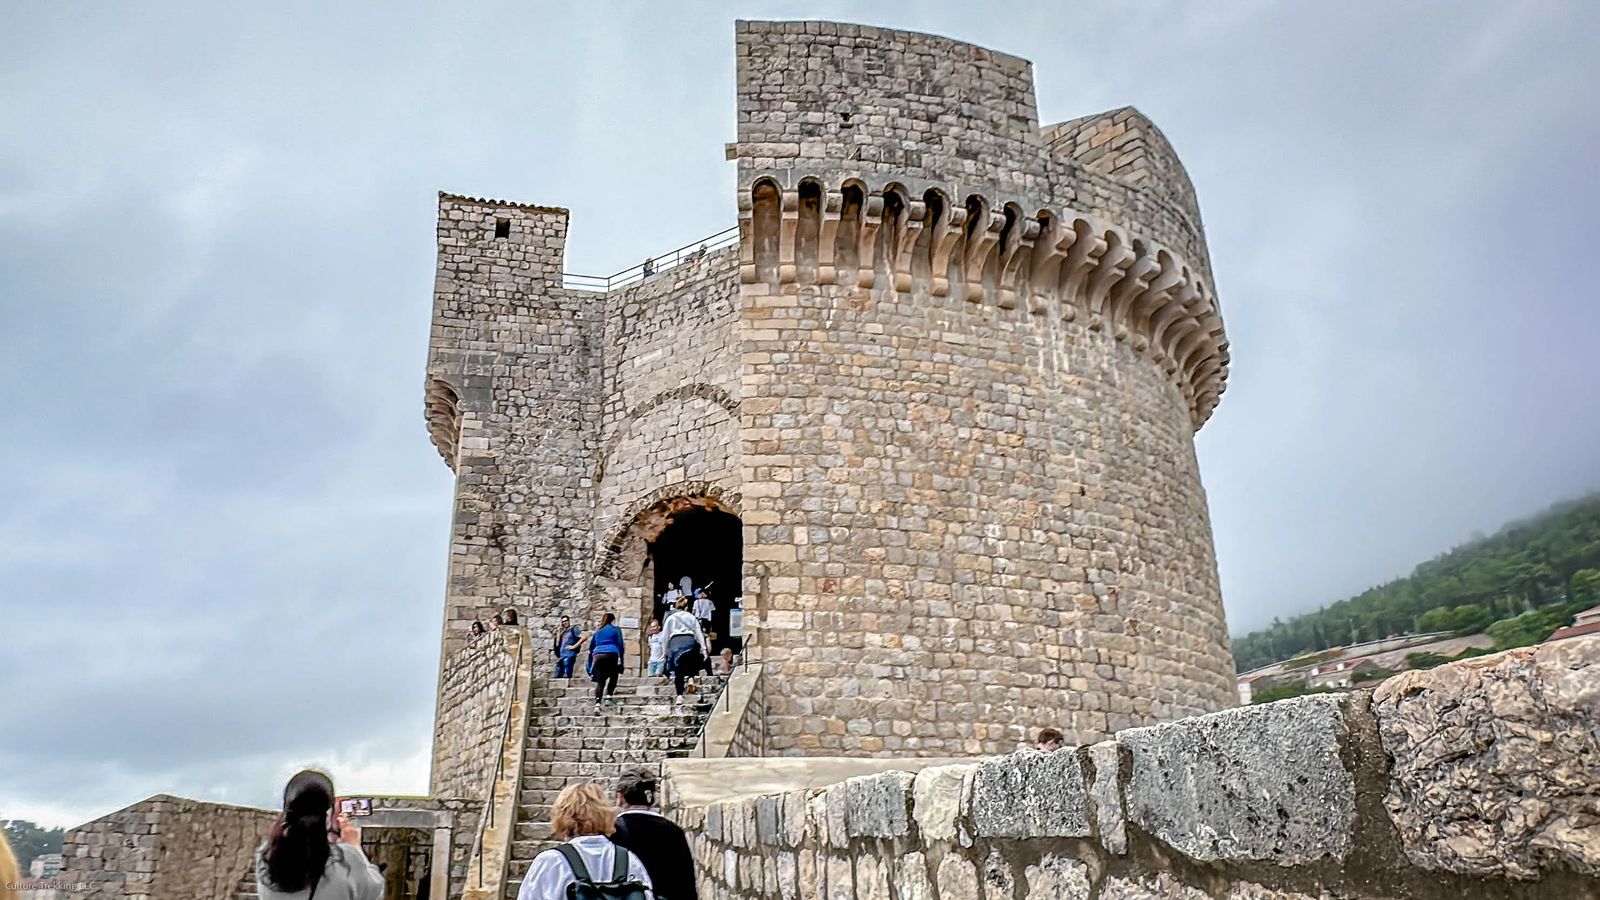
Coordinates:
1061 263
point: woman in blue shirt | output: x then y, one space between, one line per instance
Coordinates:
605 660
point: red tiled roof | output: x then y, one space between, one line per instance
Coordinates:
1575 631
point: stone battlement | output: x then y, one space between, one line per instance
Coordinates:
1064 263
1479 779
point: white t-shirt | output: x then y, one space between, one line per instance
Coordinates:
658 647
548 877
704 608
671 597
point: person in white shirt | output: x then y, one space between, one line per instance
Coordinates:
704 609
687 648
583 817
658 650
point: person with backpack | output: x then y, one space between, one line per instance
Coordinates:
587 865
657 840
605 660
310 852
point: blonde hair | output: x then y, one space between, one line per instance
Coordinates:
9 874
582 809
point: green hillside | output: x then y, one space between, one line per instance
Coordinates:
1551 558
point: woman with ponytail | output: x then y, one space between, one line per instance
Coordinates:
312 853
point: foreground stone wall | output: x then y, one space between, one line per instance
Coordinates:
475 687
1476 780
164 848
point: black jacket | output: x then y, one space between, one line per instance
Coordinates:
660 844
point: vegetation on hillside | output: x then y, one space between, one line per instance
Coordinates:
1490 583
28 840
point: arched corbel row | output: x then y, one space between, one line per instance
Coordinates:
442 408
1060 262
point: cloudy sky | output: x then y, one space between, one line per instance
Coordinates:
223 529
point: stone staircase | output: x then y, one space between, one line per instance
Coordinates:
567 743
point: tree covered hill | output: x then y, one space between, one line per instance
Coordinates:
1528 564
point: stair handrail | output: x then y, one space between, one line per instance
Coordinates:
486 820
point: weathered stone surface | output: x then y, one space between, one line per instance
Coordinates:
872 882
841 879
1110 821
957 877
837 808
1158 887
1251 891
998 880
1058 878
909 875
1029 794
1496 760
1256 783
878 804
936 801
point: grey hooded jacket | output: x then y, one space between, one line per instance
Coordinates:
348 876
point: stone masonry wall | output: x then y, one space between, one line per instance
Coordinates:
1475 780
671 382
474 690
979 514
518 355
834 100
165 848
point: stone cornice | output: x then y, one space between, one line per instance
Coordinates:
1074 265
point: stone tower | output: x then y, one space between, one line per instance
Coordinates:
929 419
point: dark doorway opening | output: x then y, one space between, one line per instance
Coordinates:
404 856
705 546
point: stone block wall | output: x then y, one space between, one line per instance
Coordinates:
165 848
967 465
1476 780
474 695
513 404
671 396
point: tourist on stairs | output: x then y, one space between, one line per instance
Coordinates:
658 841
588 865
565 647
605 660
308 852
686 644
658 650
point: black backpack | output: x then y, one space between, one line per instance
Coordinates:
620 887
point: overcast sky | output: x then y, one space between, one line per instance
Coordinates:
223 529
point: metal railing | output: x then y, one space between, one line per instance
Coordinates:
652 265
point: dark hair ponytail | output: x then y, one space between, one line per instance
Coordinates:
297 848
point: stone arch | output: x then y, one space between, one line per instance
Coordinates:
647 516
682 393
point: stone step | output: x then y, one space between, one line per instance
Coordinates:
563 743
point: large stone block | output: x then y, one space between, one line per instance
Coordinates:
1058 878
1254 783
878 804
1029 794
1110 821
936 801
1496 761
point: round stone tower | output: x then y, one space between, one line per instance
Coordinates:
926 418
974 352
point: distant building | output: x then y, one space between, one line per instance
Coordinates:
1337 674
1586 622
45 865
